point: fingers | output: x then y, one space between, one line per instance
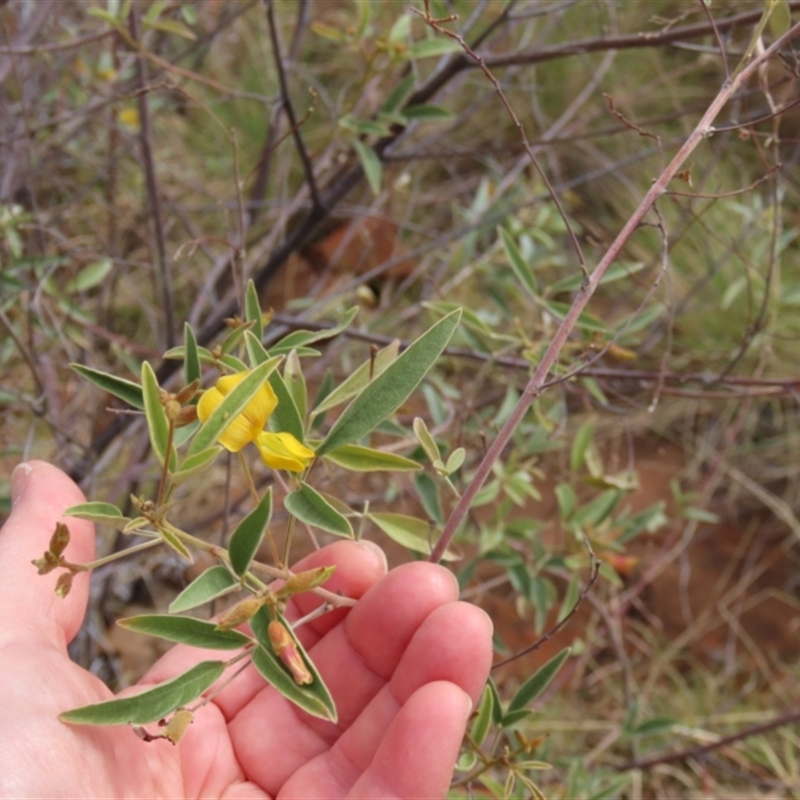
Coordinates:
406 632
416 757
31 608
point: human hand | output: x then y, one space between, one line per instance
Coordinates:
405 665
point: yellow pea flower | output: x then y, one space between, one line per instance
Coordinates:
278 450
283 451
246 426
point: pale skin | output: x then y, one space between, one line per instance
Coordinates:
405 667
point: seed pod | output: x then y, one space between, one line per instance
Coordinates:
178 725
285 648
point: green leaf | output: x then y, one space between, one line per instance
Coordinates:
364 127
195 464
297 339
90 276
249 534
211 584
400 30
399 94
295 382
366 459
207 357
586 321
518 263
252 311
233 404
654 726
151 705
170 537
371 164
426 440
314 697
411 532
615 272
127 391
483 721
427 113
428 492
191 359
581 442
185 630
154 411
357 380
780 18
100 513
171 26
595 511
311 507
386 393
429 48
538 682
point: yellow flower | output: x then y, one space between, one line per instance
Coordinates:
283 451
245 427
278 450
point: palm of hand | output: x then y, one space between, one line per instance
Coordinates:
403 666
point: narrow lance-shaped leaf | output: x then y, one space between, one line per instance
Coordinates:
518 263
249 534
411 532
191 359
195 464
252 307
185 630
152 704
483 721
99 513
366 459
127 391
211 584
311 507
233 404
297 339
386 393
357 380
314 697
538 682
371 164
154 411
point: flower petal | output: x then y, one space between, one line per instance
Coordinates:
283 451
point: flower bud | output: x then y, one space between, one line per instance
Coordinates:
47 563
60 539
305 581
285 648
240 613
172 408
187 415
64 584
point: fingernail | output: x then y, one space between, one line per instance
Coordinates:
19 480
376 550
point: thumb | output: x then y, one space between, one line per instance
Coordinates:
40 493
